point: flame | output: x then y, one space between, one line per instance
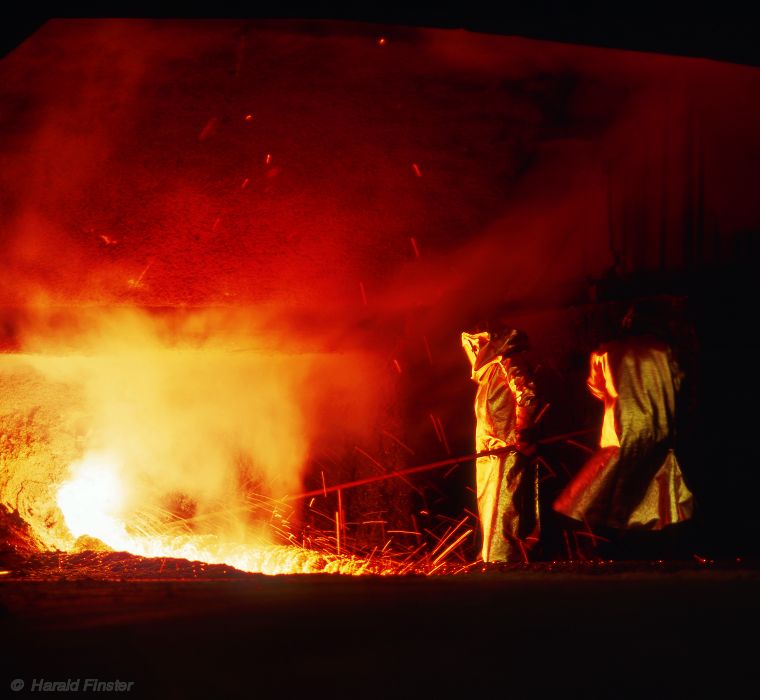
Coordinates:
166 438
94 504
92 500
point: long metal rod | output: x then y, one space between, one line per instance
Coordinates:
427 467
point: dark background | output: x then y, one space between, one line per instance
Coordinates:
723 31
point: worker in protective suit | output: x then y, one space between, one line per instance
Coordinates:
507 483
634 480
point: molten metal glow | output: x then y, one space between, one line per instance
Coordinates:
172 441
93 504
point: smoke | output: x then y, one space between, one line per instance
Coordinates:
187 417
179 416
169 163
71 96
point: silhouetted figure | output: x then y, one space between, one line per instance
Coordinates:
634 481
505 403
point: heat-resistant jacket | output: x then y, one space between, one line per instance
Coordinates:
634 479
507 484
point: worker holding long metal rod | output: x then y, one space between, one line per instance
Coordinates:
506 403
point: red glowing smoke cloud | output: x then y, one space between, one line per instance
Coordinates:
125 144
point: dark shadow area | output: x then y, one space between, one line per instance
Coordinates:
624 633
719 32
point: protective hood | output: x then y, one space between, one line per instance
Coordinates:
484 348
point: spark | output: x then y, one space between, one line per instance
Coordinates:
380 467
136 283
414 551
397 441
415 248
446 517
523 552
416 527
416 169
249 117
448 534
452 546
435 427
590 533
433 535
208 129
541 413
318 463
410 561
476 518
321 514
592 536
465 568
546 466
245 183
217 221
406 568
324 485
340 513
268 159
383 470
397 365
580 446
382 41
371 554
108 240
451 470
440 432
